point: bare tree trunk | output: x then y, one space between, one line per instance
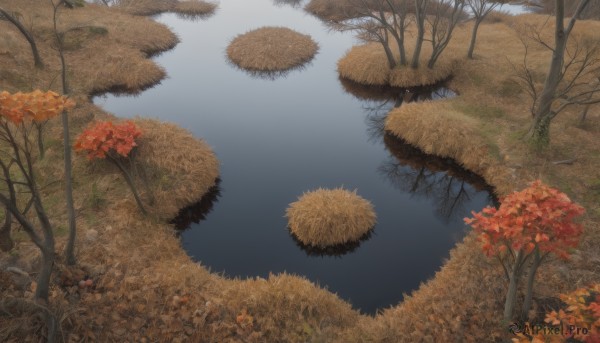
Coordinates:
537 260
401 48
131 184
43 282
70 247
473 39
6 242
540 129
420 15
389 55
511 294
34 50
40 139
539 133
442 41
583 114
46 245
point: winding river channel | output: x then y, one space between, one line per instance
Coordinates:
279 138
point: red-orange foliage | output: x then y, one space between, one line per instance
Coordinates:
536 216
35 106
104 136
582 311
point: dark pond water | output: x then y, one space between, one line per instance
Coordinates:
279 138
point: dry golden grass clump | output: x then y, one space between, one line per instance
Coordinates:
271 49
192 8
125 43
188 171
367 64
331 9
437 129
278 302
327 217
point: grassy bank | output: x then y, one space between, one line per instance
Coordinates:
482 129
367 65
145 287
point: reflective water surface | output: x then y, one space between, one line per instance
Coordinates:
279 138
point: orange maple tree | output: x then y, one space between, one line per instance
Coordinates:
104 139
19 112
528 225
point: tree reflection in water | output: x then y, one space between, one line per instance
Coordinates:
409 169
197 212
380 100
441 179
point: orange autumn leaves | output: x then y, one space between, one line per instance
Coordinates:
582 311
579 321
35 106
101 138
97 140
538 216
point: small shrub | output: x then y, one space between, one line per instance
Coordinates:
114 142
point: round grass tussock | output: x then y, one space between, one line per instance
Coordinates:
271 49
367 64
194 8
326 217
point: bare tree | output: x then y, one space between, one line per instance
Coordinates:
382 21
70 247
19 156
386 21
420 18
573 77
13 19
480 9
447 14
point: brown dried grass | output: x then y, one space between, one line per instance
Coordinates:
138 266
271 49
123 65
481 129
367 64
291 309
326 217
193 8
183 174
437 129
330 10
